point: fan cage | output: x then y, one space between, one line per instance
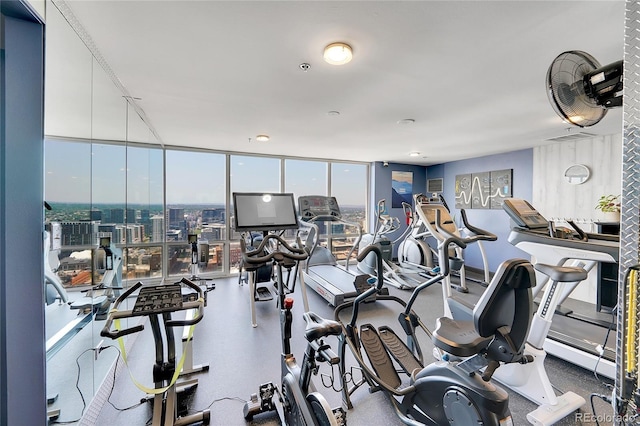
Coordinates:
565 88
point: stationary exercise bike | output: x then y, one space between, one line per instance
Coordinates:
159 303
296 401
458 391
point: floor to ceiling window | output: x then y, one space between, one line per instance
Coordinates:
196 206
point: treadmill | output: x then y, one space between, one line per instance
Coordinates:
577 335
322 272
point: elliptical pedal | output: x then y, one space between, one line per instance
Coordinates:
378 356
398 350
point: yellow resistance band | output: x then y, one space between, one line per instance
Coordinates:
176 373
631 348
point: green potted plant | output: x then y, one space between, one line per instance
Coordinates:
610 206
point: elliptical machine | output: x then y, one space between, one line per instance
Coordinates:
394 274
453 392
296 401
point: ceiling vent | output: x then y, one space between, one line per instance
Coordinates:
573 137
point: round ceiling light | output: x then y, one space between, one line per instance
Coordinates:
338 53
262 138
414 154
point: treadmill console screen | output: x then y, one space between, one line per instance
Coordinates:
318 206
264 212
523 214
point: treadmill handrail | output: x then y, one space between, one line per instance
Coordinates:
310 223
604 246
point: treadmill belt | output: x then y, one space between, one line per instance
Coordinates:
582 335
337 277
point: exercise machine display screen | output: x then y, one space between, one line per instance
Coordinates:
264 212
318 206
523 214
105 241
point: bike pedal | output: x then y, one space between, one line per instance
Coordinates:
340 415
266 391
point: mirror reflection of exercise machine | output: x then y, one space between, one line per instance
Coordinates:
322 272
90 304
108 261
199 258
576 335
94 303
266 213
159 303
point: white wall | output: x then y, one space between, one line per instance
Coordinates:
555 198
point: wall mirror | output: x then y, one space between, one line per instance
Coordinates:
577 174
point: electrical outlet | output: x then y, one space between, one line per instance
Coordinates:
96 350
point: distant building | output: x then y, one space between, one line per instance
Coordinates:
174 235
117 216
95 215
177 222
210 216
78 233
157 229
131 216
145 219
213 232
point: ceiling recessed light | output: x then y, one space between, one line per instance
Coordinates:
262 138
333 113
414 154
338 53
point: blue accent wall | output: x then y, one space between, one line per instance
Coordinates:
495 221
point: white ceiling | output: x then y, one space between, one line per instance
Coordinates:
213 74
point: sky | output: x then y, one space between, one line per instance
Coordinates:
77 172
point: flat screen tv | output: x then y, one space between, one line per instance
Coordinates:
255 211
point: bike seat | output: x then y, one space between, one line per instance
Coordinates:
563 274
459 338
318 327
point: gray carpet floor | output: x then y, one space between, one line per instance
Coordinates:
241 357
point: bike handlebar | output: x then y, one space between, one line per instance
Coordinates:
294 253
115 314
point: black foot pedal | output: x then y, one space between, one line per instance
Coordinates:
263 294
341 416
260 404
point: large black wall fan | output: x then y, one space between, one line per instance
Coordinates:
581 90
